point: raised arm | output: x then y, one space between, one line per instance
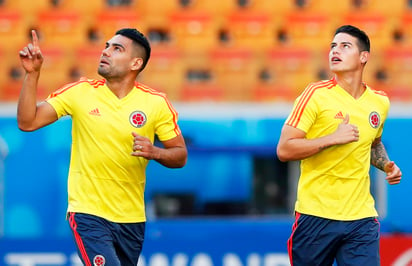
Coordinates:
30 115
380 159
172 155
293 144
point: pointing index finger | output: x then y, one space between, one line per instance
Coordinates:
35 39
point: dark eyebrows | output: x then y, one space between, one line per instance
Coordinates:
334 43
115 45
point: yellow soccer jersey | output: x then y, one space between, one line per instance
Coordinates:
335 183
104 178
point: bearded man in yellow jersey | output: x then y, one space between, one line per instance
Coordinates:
114 123
335 130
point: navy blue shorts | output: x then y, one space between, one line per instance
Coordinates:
100 242
319 241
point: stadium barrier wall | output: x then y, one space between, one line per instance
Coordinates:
34 196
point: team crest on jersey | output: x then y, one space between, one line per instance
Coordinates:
137 119
374 119
99 260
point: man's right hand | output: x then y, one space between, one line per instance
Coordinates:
346 132
30 56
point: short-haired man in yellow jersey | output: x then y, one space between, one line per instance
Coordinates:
335 130
114 123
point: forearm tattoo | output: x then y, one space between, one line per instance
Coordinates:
379 156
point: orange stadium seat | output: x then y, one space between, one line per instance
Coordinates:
201 92
164 72
251 30
376 25
13 31
28 9
193 31
109 20
156 13
269 92
87 59
391 9
278 8
309 29
217 10
235 70
55 68
87 9
404 27
291 66
398 64
324 6
61 27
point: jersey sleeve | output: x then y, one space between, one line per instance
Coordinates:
386 106
166 127
60 99
304 111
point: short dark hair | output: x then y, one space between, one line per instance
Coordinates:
363 39
138 38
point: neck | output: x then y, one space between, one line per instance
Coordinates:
120 87
351 83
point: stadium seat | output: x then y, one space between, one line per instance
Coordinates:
376 25
398 65
157 13
390 9
28 9
313 30
87 60
277 9
87 9
14 31
404 28
236 70
108 21
335 8
61 27
291 66
271 92
218 10
193 31
164 72
55 69
202 92
251 30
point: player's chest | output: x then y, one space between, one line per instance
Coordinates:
106 114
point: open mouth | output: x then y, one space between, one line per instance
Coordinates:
335 59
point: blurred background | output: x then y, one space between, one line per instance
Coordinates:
232 69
